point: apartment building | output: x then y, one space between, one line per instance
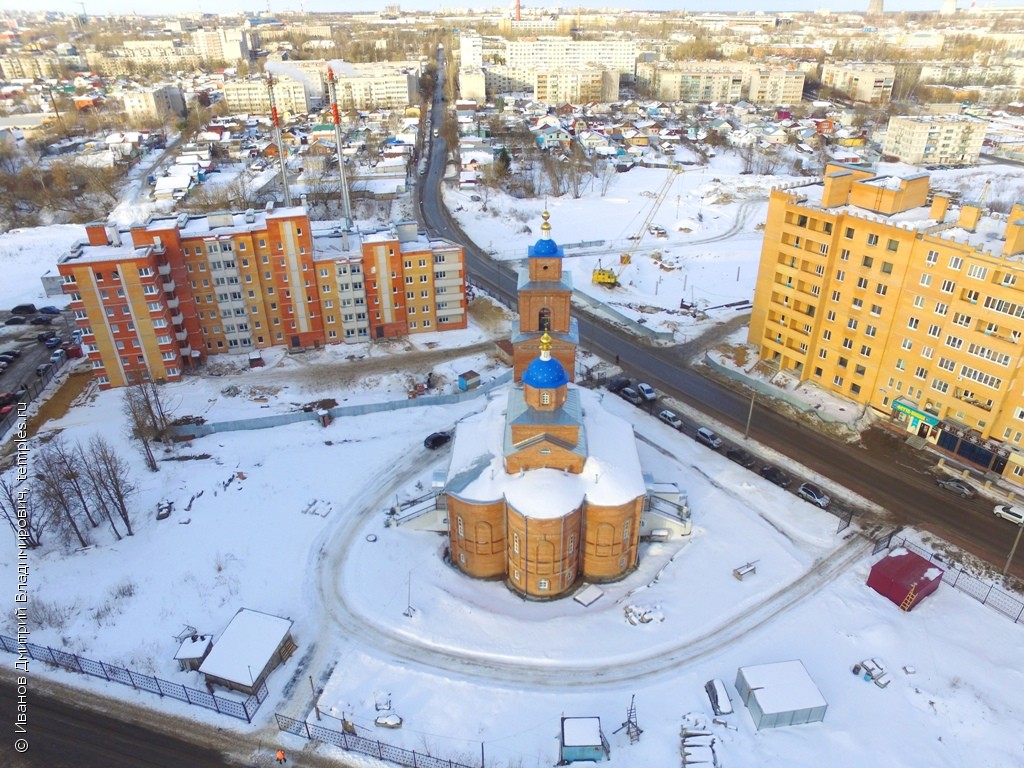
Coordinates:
31 65
912 308
870 83
253 97
144 56
561 53
772 86
576 86
159 299
935 139
692 81
153 103
383 85
222 44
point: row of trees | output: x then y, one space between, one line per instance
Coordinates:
74 490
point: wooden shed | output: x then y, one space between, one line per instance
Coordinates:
904 577
250 648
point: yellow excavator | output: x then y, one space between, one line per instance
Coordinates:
609 277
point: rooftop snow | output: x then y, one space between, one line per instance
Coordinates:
581 731
246 646
783 686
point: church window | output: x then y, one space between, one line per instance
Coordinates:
515 543
461 532
545 397
544 319
625 532
542 585
572 543
462 557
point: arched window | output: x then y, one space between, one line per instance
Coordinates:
545 397
544 319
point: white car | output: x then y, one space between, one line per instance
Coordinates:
647 392
1007 512
671 419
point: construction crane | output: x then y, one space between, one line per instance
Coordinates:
609 277
346 203
281 156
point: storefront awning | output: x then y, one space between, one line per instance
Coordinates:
911 409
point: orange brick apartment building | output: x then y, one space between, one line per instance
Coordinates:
159 298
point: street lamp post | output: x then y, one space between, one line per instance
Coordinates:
750 415
1016 541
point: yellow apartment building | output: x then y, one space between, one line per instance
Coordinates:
875 289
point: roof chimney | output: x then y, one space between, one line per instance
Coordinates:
940 206
1015 231
96 231
970 214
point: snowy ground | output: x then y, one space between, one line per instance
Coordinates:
283 519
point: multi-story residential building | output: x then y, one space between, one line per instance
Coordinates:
870 83
252 96
905 306
692 81
154 103
31 65
772 86
160 298
939 139
222 44
383 85
576 86
552 54
471 50
144 56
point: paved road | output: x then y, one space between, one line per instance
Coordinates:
62 735
887 473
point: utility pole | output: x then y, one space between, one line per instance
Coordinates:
750 415
281 156
1013 550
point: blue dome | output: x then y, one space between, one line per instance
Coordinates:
545 247
545 374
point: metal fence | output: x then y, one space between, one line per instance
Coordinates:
32 388
277 420
371 747
243 710
983 591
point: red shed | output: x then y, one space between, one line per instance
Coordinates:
904 577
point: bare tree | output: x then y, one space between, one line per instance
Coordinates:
66 463
148 417
110 478
27 520
60 505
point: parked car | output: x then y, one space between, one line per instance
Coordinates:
741 457
631 395
436 440
647 392
1007 512
24 309
45 335
50 310
617 384
705 436
15 320
43 369
956 486
41 320
6 398
814 494
718 695
13 352
6 358
671 419
776 476
53 342
58 356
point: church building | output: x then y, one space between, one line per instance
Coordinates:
545 488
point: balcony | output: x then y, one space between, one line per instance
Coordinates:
181 335
168 286
173 302
164 269
185 350
970 399
178 318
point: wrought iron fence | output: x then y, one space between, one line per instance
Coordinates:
372 747
243 710
983 591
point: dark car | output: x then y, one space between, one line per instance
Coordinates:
13 352
51 310
43 369
15 320
5 358
41 320
436 440
776 476
741 457
6 398
45 335
617 384
24 309
53 342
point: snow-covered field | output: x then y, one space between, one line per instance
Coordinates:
285 516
